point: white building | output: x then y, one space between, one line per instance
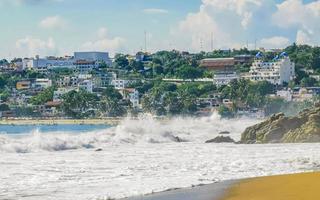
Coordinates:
84 61
224 78
134 98
86 85
42 83
84 66
277 72
302 94
99 57
132 95
285 94
104 79
43 64
119 83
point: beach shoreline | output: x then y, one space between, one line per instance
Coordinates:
214 191
290 187
108 121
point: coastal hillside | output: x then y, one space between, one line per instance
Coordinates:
303 128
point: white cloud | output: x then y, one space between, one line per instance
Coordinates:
30 46
200 26
274 42
102 32
243 8
53 22
225 21
105 43
155 11
303 17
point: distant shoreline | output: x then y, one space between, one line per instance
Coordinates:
109 121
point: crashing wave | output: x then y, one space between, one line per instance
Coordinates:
146 129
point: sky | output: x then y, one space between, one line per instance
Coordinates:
60 27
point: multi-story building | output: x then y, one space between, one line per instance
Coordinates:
23 85
224 78
224 69
281 70
42 83
86 85
43 64
134 98
84 66
98 57
104 79
119 83
84 61
218 64
68 81
243 59
285 94
132 95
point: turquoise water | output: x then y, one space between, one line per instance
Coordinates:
68 128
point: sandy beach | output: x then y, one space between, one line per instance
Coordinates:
287 187
303 186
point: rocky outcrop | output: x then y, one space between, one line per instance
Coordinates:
221 139
303 128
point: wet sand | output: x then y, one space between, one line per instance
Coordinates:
207 192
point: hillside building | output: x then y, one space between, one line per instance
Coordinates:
83 61
224 69
279 71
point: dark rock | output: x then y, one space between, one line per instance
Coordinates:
178 139
99 149
221 139
224 133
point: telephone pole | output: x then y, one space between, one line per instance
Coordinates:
145 41
211 41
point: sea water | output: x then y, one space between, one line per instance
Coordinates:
138 157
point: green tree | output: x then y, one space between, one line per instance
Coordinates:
43 97
111 107
79 104
136 65
110 103
225 112
172 103
121 61
189 72
4 107
112 93
3 82
308 82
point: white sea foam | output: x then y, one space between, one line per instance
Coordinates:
139 157
144 130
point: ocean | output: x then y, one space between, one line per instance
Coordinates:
136 157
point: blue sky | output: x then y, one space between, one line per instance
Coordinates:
59 27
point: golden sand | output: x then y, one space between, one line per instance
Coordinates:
288 187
